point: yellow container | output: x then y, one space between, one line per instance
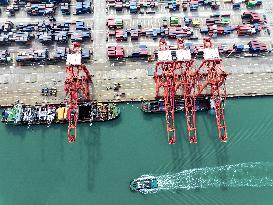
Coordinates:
196 22
62 113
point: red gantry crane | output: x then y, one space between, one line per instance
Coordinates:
165 77
187 82
76 85
210 73
174 71
170 74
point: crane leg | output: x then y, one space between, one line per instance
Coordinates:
219 112
157 88
72 120
190 113
71 134
169 110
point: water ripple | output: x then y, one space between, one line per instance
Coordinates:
252 174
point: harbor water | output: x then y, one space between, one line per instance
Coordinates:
39 167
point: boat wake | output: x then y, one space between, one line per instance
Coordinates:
253 174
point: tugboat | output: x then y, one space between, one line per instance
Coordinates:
144 184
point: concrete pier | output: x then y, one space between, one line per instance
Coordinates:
26 83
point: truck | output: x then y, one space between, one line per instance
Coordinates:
114 23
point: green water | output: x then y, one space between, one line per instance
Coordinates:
38 166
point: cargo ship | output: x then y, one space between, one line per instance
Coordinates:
21 114
158 106
144 184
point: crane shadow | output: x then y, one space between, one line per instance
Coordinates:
91 138
196 155
62 138
220 148
196 162
43 142
178 149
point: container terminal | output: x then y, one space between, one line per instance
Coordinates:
178 52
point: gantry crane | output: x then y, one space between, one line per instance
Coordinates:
174 70
165 77
210 73
175 66
76 86
187 82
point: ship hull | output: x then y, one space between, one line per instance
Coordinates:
144 184
48 114
158 106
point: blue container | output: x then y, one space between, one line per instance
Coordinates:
239 47
204 30
193 7
4 2
236 6
259 2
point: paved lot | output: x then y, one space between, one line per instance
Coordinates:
247 76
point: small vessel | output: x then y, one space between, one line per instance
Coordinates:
158 106
144 184
21 114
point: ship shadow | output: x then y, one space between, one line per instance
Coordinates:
150 116
91 139
160 117
111 123
161 128
219 148
44 131
19 130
